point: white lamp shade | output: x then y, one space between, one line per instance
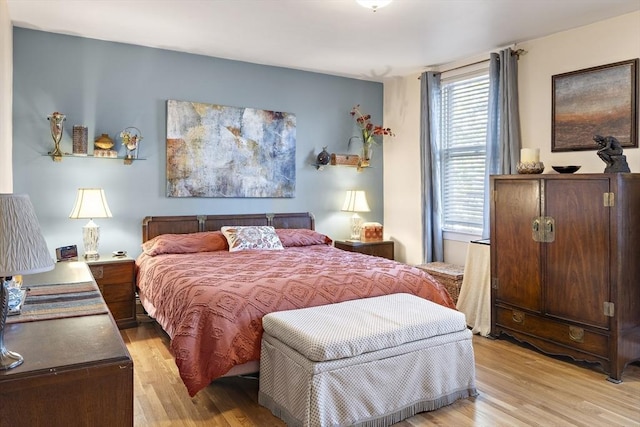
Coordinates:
355 201
90 203
23 249
373 4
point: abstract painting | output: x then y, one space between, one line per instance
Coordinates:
222 151
595 101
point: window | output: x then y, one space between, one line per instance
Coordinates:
463 144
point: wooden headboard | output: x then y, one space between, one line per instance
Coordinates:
153 226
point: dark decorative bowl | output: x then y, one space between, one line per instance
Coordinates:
565 169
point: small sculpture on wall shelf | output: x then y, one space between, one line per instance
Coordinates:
56 125
103 147
611 154
131 138
323 157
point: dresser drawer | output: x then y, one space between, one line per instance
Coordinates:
113 292
121 311
113 273
382 249
555 331
115 278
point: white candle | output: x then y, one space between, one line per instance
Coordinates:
530 155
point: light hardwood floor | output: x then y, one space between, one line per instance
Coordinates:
518 387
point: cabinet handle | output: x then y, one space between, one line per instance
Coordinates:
98 272
576 334
540 233
518 317
535 230
550 229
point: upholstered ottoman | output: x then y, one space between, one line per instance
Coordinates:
368 362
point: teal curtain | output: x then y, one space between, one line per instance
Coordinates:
432 245
503 128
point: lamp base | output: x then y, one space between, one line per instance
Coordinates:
9 359
90 238
356 225
91 256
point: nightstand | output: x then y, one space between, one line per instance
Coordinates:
382 249
115 277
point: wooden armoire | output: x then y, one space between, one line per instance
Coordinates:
565 265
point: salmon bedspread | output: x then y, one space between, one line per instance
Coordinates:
211 303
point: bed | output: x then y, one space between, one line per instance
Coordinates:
210 296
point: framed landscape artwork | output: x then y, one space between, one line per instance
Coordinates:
221 151
595 101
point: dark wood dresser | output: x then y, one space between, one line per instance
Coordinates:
76 371
565 275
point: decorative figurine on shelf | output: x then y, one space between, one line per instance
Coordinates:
323 157
611 154
56 124
80 137
131 138
103 147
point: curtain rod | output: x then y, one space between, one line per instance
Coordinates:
517 53
464 66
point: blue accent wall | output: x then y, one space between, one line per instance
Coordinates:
110 86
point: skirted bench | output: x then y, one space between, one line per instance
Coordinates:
367 362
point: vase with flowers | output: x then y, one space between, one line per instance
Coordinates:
368 134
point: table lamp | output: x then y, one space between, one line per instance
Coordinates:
355 201
90 203
23 250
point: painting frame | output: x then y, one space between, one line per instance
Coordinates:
221 151
600 100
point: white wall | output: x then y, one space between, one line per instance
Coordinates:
605 42
600 43
402 200
6 97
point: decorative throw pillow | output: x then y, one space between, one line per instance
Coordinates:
208 241
241 238
301 237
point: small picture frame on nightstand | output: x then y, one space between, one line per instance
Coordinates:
67 253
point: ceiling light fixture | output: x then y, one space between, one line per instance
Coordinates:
373 4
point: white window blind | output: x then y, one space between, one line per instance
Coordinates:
464 133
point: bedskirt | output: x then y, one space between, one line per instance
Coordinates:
379 388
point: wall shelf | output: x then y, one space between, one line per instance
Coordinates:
342 160
56 158
345 159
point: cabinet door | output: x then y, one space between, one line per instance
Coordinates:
577 261
517 260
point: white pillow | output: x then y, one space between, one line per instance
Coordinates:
242 238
